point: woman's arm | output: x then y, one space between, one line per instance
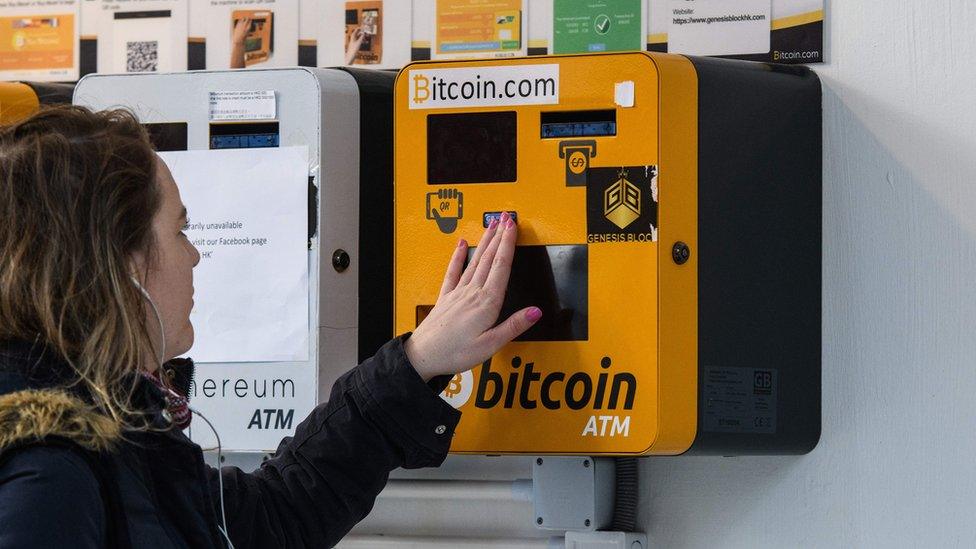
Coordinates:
380 416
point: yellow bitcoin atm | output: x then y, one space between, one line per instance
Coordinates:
670 229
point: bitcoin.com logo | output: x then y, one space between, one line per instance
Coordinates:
458 391
621 201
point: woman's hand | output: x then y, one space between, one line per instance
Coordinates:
460 331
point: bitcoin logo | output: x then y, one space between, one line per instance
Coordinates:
577 162
458 391
454 387
421 88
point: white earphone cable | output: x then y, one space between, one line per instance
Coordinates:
162 356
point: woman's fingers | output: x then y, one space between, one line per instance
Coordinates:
496 279
478 252
514 326
488 258
454 267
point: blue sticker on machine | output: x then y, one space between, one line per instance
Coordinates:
739 400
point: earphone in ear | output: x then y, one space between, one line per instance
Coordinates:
159 319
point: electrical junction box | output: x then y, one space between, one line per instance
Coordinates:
670 230
344 118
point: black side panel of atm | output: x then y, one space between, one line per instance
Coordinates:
759 257
375 209
49 93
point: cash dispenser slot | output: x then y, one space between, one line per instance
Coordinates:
561 124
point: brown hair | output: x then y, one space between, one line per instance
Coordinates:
77 197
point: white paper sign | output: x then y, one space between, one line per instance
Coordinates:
719 27
243 105
248 213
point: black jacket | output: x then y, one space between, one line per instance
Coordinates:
153 489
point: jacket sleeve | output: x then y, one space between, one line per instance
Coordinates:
380 416
49 497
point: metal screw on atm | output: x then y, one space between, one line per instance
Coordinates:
680 253
340 260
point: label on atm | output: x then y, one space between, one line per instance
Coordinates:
497 86
621 204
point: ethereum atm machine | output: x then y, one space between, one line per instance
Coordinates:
669 213
343 118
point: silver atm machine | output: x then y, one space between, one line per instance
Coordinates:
343 117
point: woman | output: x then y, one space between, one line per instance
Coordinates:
95 296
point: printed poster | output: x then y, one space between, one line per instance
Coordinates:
246 34
371 34
479 29
585 26
364 33
142 36
780 31
39 40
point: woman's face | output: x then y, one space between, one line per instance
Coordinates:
169 271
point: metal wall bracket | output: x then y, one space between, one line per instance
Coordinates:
573 493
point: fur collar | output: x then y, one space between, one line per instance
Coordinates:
32 415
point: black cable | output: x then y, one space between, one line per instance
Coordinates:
627 493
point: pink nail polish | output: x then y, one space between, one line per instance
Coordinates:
533 314
505 217
462 243
509 224
493 224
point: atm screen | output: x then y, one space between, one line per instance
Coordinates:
167 136
553 278
471 148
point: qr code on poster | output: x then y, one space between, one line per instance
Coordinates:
141 56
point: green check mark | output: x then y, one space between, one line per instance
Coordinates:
602 24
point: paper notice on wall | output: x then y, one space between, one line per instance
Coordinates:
479 28
142 36
735 28
252 33
248 212
39 40
719 27
372 34
584 26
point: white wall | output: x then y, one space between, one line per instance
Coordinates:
896 465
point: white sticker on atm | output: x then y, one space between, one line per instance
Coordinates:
243 105
483 86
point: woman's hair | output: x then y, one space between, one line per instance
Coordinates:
78 194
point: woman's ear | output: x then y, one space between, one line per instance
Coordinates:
138 267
